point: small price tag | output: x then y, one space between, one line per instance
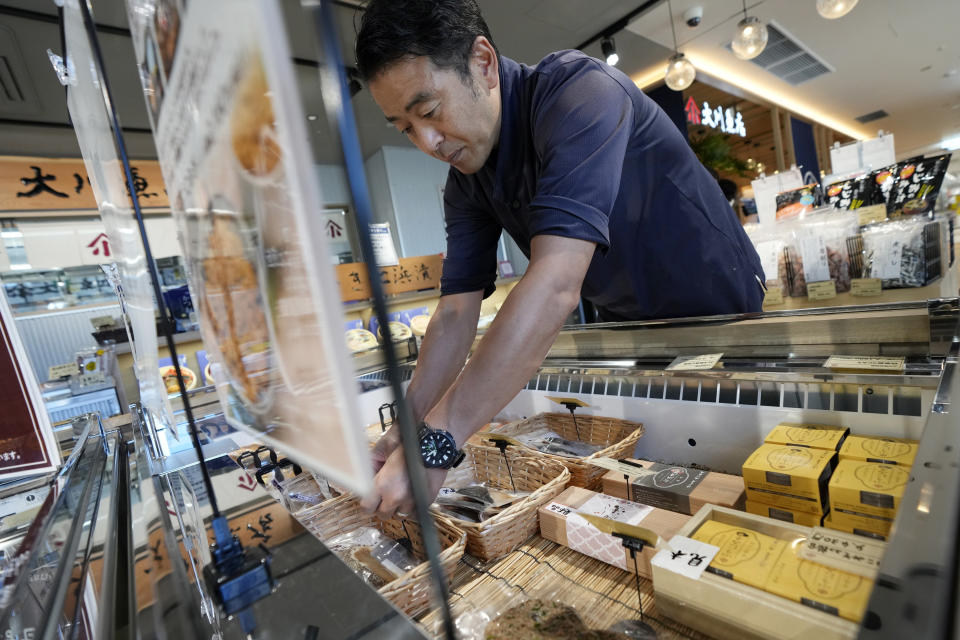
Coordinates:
64 370
695 363
844 551
866 287
559 509
822 290
102 321
871 214
685 556
627 469
773 297
574 401
865 363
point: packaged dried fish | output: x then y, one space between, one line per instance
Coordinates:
476 502
549 441
816 250
769 243
373 556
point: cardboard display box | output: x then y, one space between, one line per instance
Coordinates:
730 610
793 478
883 450
816 436
673 487
849 526
562 521
786 515
869 488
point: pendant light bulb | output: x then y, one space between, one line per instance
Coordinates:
680 72
750 40
833 9
609 49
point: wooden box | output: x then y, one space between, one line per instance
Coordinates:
728 610
554 526
680 489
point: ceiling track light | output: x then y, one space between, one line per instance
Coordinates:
833 9
680 72
609 49
751 37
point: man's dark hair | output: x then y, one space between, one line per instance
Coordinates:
443 30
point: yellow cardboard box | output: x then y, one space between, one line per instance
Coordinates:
869 488
839 523
745 555
817 436
879 449
787 515
820 587
791 477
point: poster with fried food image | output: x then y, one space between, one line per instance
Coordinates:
233 145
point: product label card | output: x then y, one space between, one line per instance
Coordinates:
823 290
773 297
695 363
611 508
559 509
64 370
871 363
770 252
866 287
685 556
843 551
588 540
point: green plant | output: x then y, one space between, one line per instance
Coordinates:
713 150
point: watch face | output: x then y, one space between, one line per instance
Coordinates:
437 449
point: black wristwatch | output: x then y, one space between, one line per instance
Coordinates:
438 448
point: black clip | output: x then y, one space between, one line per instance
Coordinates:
392 407
502 445
634 545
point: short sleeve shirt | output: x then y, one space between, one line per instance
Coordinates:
584 154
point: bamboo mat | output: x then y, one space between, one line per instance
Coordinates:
601 594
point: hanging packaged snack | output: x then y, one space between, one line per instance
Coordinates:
798 202
917 186
816 250
769 244
903 253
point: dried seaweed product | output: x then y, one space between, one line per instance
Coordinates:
536 620
821 241
373 556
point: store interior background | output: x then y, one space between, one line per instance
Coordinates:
892 55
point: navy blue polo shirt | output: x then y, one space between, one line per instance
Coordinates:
584 154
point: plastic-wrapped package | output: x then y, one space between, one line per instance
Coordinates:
907 252
476 501
549 441
816 250
769 243
798 202
917 186
373 556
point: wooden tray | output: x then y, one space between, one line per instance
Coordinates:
730 610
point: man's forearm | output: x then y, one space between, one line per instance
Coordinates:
509 354
444 350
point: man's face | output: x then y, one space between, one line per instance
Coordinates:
447 116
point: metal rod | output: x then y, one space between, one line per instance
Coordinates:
166 318
636 575
340 105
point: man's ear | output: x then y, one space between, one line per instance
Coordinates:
483 58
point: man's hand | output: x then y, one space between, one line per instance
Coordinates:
391 493
387 444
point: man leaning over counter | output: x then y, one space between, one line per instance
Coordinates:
590 177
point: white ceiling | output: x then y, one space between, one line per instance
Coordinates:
878 51
902 56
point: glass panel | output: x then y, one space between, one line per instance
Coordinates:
728 392
708 391
818 396
906 401
691 389
793 395
846 397
769 394
748 393
673 389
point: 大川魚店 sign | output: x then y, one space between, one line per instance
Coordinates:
728 120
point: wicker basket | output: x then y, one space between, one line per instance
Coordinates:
618 437
507 530
411 592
